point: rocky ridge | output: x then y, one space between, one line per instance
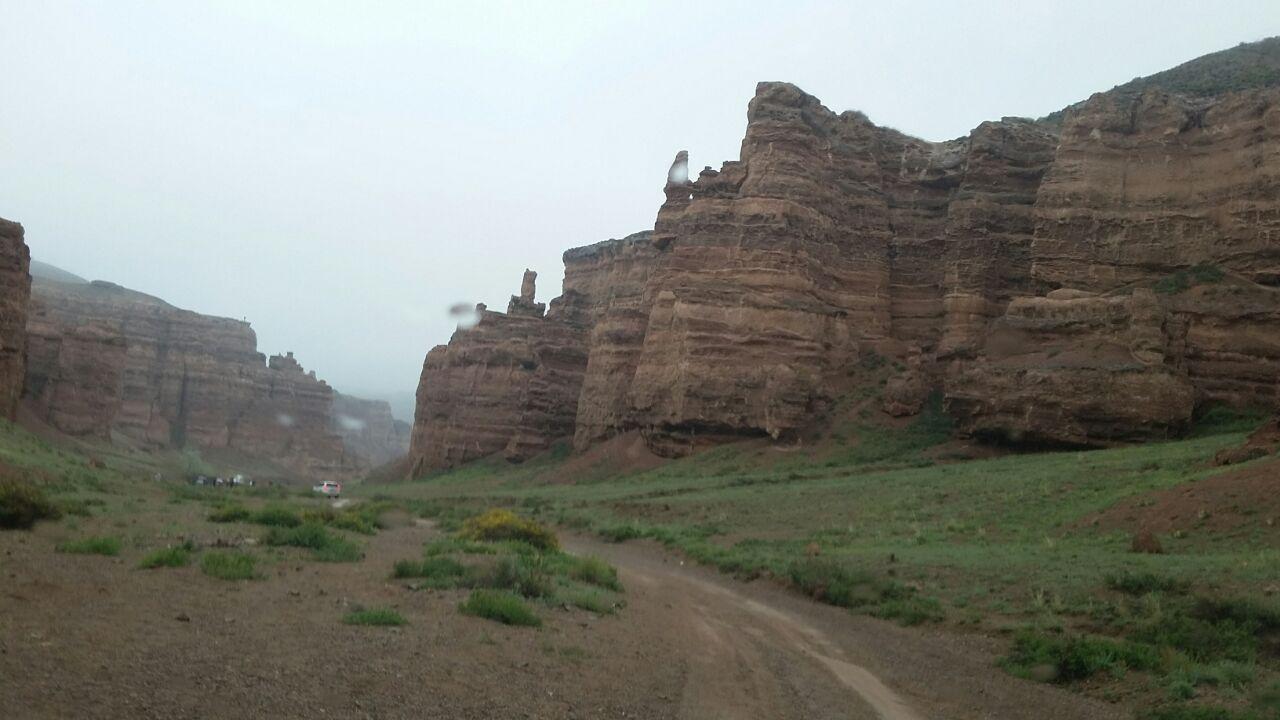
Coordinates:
1084 281
105 360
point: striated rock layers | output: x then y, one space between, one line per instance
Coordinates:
105 359
15 291
1077 283
508 384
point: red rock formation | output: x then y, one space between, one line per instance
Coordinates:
15 292
1076 369
509 384
747 309
75 374
105 358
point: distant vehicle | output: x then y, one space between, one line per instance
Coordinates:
328 488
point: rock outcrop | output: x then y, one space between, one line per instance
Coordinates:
105 359
1076 369
1086 279
15 293
509 384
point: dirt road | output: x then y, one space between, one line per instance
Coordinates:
756 651
94 637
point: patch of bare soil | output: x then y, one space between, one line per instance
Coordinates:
1229 501
616 457
93 637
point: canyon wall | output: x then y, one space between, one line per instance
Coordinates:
368 429
15 292
508 385
1083 280
107 360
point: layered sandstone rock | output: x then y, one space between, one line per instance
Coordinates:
509 384
15 292
75 374
1084 280
1077 369
368 429
107 359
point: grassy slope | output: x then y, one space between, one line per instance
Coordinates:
1000 544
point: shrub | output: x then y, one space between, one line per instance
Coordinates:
229 565
1074 657
499 525
447 546
621 532
910 610
91 546
167 557
22 504
277 516
501 606
325 546
440 572
1144 583
595 571
830 582
230 513
524 575
383 617
1212 629
590 600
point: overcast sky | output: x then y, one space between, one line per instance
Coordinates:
340 173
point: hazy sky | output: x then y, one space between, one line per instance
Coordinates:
339 173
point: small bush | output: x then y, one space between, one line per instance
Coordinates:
1144 583
590 600
1211 629
229 565
325 546
440 572
499 525
595 571
230 513
1072 658
501 606
381 617
449 546
167 557
621 532
909 611
521 574
277 516
22 504
92 546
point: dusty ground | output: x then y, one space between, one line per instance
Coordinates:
1234 500
93 637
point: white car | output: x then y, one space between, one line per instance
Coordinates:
328 488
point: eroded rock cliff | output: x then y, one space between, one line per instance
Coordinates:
106 359
15 293
509 384
1086 279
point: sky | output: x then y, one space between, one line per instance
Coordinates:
341 173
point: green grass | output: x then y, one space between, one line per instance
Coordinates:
439 571
91 546
22 503
178 556
379 617
876 520
504 607
595 571
229 565
325 545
